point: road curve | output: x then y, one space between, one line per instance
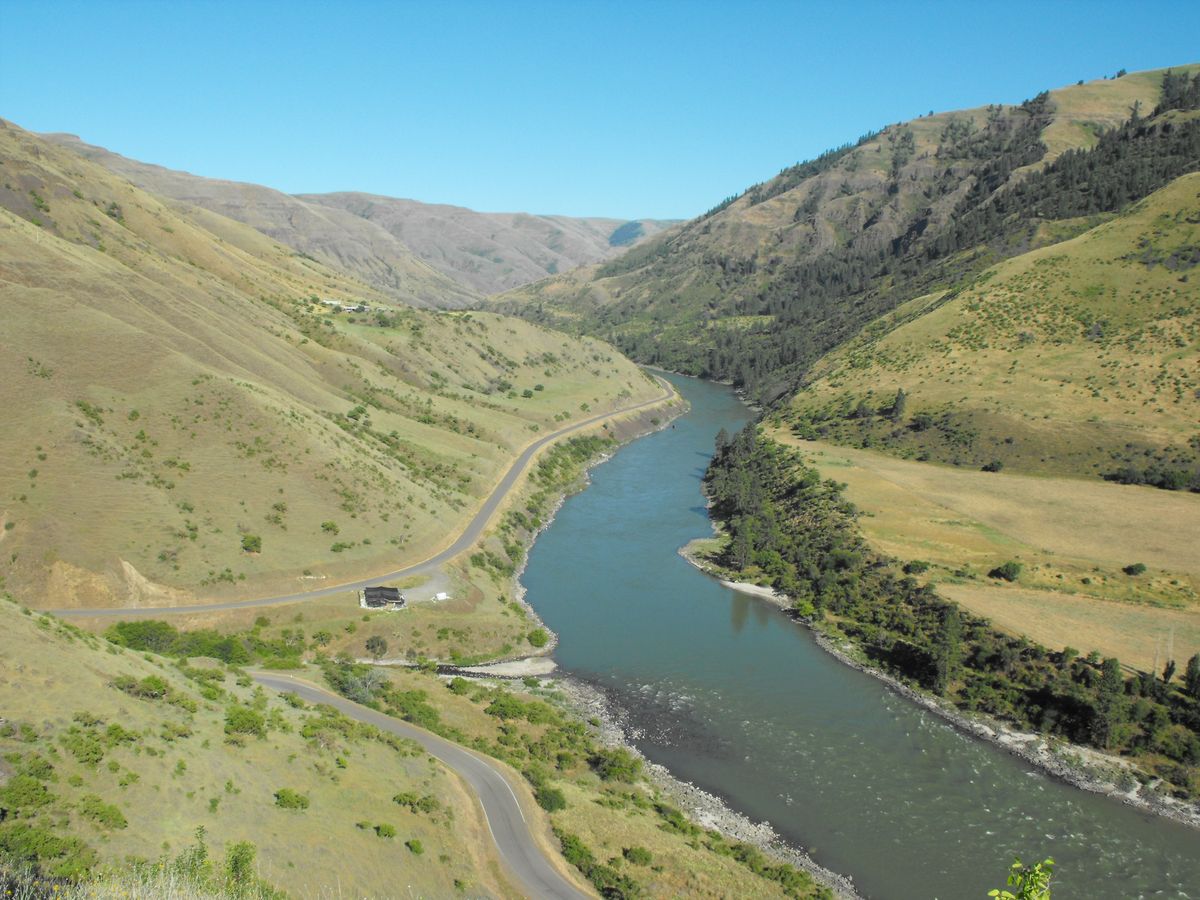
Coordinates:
525 860
469 536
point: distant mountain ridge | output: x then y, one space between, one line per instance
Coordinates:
493 252
418 253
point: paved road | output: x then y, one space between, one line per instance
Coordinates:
465 540
525 860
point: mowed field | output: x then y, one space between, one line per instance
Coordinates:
1072 537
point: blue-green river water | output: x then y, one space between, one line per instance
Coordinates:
728 693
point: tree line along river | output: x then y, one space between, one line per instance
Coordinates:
729 693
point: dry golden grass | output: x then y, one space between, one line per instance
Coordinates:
1140 636
192 777
1082 111
174 388
1062 530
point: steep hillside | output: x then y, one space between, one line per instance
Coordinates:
760 287
493 252
1083 356
326 234
185 412
111 756
421 254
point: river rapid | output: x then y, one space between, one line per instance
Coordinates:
727 692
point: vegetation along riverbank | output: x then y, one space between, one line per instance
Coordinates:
785 527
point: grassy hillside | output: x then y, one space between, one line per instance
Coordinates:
186 414
789 527
493 252
1081 357
756 290
108 756
357 248
421 254
1073 540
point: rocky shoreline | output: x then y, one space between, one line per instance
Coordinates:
1082 767
704 809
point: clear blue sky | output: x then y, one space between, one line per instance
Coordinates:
624 109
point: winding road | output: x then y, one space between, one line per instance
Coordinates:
467 539
526 861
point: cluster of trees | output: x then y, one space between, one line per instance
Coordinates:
787 525
237 649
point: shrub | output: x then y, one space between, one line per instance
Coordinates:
23 792
239 863
330 527
639 856
418 804
376 646
286 798
916 567
244 720
385 830
92 807
550 799
1008 571
415 846
251 543
538 637
994 466
1134 569
617 764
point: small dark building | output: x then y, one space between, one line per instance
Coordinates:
382 598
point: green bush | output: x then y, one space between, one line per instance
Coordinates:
94 808
538 637
639 856
286 798
23 792
56 856
385 830
244 720
550 799
617 764
418 804
1134 569
1008 571
415 846
252 543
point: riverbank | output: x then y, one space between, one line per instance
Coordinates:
1082 767
590 704
702 808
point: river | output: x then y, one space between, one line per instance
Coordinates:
729 693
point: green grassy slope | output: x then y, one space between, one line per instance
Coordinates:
173 391
759 288
128 755
1081 357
